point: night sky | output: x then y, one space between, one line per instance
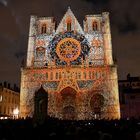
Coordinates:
14 28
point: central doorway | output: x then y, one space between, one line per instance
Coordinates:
69 103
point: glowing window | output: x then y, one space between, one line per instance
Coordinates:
94 26
43 29
68 24
40 53
0 98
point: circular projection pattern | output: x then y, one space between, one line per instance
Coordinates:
96 103
76 48
68 49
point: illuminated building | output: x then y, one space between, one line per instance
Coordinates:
69 72
129 91
9 102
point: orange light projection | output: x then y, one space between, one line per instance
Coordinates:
68 24
68 49
96 43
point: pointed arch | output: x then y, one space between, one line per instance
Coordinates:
40 103
97 103
70 14
44 29
40 53
69 101
94 26
69 23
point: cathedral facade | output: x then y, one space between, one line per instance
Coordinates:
69 72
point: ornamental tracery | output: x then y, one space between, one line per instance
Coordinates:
41 43
96 53
40 53
68 49
73 49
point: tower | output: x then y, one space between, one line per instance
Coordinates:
73 66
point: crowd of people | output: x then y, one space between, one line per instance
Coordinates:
30 129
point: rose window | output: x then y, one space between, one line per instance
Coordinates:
68 49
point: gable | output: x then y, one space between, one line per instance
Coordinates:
69 23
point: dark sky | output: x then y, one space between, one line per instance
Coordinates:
14 28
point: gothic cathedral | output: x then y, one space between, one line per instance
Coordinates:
69 72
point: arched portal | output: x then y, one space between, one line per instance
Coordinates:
40 104
69 113
96 103
69 102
